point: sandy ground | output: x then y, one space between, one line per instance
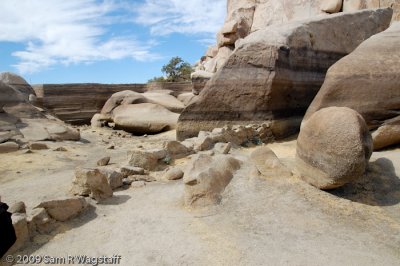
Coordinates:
260 221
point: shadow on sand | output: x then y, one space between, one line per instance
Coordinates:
380 186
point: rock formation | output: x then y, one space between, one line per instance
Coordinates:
140 113
333 147
274 73
368 81
21 121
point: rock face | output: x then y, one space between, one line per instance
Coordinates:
368 81
274 73
206 177
19 118
64 209
352 5
333 147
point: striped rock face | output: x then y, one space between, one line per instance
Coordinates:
274 74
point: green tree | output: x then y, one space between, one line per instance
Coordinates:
177 70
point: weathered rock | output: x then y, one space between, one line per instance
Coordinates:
60 149
186 97
174 173
386 135
18 207
13 89
91 182
103 161
64 209
165 100
222 148
144 178
122 98
100 120
199 80
352 5
131 170
146 118
333 147
274 73
114 177
138 184
367 81
40 222
20 224
145 159
206 178
268 163
176 150
331 6
45 129
8 146
38 146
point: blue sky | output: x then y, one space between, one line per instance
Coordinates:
104 41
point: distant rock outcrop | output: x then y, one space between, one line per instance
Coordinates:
368 81
274 73
21 121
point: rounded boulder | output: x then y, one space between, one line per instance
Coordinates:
333 147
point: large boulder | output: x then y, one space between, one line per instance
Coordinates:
333 147
122 98
387 134
274 73
65 208
165 100
368 81
206 177
144 118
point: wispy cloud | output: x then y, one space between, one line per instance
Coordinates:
176 16
65 32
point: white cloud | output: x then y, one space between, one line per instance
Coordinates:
182 16
65 32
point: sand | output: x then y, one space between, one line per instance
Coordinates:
260 221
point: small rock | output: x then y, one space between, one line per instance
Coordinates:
21 229
138 184
91 182
148 159
222 148
60 149
64 209
206 178
145 178
173 174
131 170
114 177
268 163
40 222
203 144
18 207
103 161
111 147
8 146
38 146
176 150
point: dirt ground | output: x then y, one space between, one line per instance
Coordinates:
260 221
